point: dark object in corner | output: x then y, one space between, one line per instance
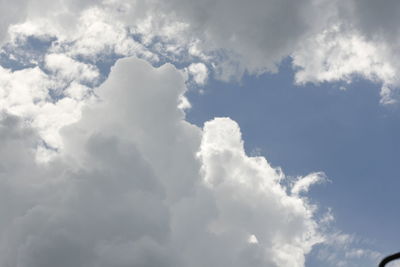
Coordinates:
389 259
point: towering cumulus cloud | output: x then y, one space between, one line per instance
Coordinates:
137 185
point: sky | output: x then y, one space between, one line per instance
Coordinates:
199 133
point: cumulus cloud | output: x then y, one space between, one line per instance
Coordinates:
249 185
135 184
342 39
340 54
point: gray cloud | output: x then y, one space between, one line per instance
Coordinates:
374 19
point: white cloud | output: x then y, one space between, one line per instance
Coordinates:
65 68
303 184
38 99
199 72
135 184
175 28
251 199
338 54
232 37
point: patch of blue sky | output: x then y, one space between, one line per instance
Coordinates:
345 133
25 52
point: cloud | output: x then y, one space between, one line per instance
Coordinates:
346 250
12 12
252 201
115 175
373 20
340 54
135 184
303 184
342 39
70 70
38 99
199 72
